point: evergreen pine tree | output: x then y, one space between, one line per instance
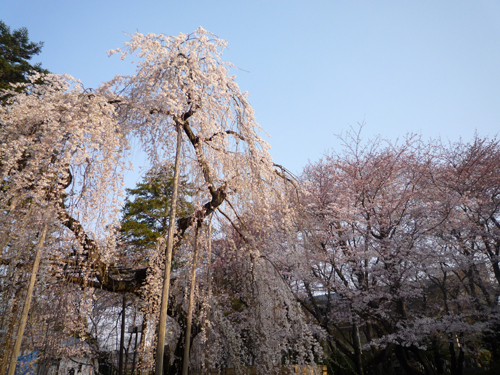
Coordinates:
146 210
15 52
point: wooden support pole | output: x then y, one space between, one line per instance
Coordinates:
187 342
27 303
170 242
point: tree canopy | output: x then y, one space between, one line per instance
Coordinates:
16 51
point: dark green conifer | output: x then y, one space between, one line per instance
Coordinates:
147 208
15 52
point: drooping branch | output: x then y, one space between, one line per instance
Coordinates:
195 142
231 132
183 224
109 277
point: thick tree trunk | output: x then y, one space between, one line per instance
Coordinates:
27 303
403 360
168 261
429 370
381 362
187 343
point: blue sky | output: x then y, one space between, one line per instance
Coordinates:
312 68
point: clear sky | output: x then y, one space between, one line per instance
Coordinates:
312 68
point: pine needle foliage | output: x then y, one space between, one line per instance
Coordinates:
15 52
147 207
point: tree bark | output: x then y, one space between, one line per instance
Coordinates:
420 356
403 360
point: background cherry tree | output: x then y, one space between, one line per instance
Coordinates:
395 260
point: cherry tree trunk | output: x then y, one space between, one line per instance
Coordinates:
27 303
170 241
